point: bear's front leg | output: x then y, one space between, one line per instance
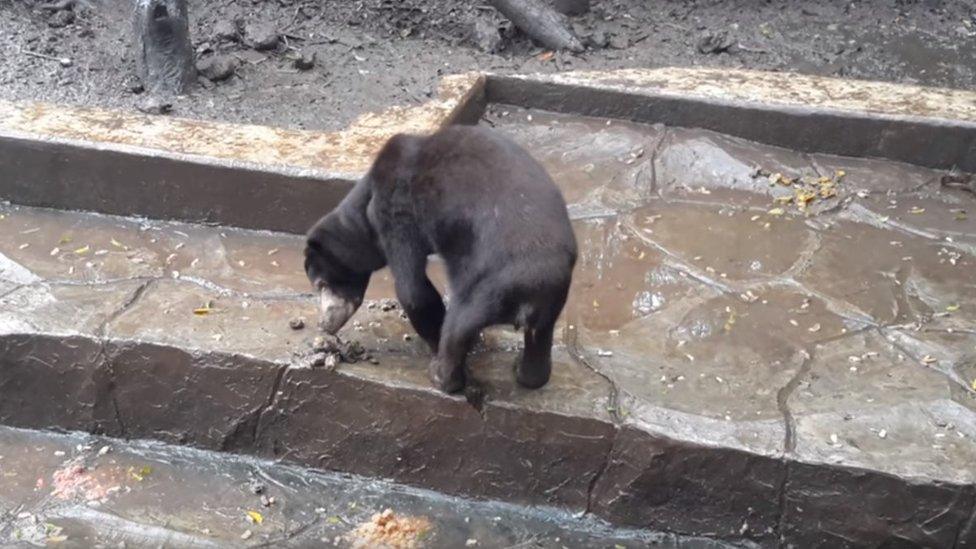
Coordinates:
419 298
424 308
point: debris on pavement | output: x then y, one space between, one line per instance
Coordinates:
388 531
330 350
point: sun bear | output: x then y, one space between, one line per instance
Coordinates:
490 210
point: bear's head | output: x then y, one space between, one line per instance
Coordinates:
341 289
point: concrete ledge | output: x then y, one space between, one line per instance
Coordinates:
402 431
269 178
161 185
221 401
930 127
210 172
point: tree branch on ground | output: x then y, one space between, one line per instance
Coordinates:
543 24
59 6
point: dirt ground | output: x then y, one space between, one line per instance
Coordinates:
372 53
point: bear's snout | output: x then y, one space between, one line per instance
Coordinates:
335 310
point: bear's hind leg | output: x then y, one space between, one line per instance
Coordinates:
463 324
535 365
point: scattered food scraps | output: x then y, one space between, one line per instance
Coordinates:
254 517
74 480
730 321
256 487
806 190
331 350
205 310
140 474
388 531
545 56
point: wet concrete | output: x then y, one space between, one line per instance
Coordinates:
257 177
81 491
729 363
924 126
282 179
843 334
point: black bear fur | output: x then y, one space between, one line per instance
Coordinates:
492 213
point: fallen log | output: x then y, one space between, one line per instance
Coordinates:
536 19
164 53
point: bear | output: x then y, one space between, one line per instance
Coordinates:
492 213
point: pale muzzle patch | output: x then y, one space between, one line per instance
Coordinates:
334 311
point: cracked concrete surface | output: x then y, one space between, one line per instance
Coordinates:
721 369
832 338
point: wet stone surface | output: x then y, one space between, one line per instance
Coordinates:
841 333
741 316
80 491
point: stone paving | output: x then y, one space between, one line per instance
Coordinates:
721 347
844 332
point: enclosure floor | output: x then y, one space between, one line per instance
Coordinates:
842 332
705 309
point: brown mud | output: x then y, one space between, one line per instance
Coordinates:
372 53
